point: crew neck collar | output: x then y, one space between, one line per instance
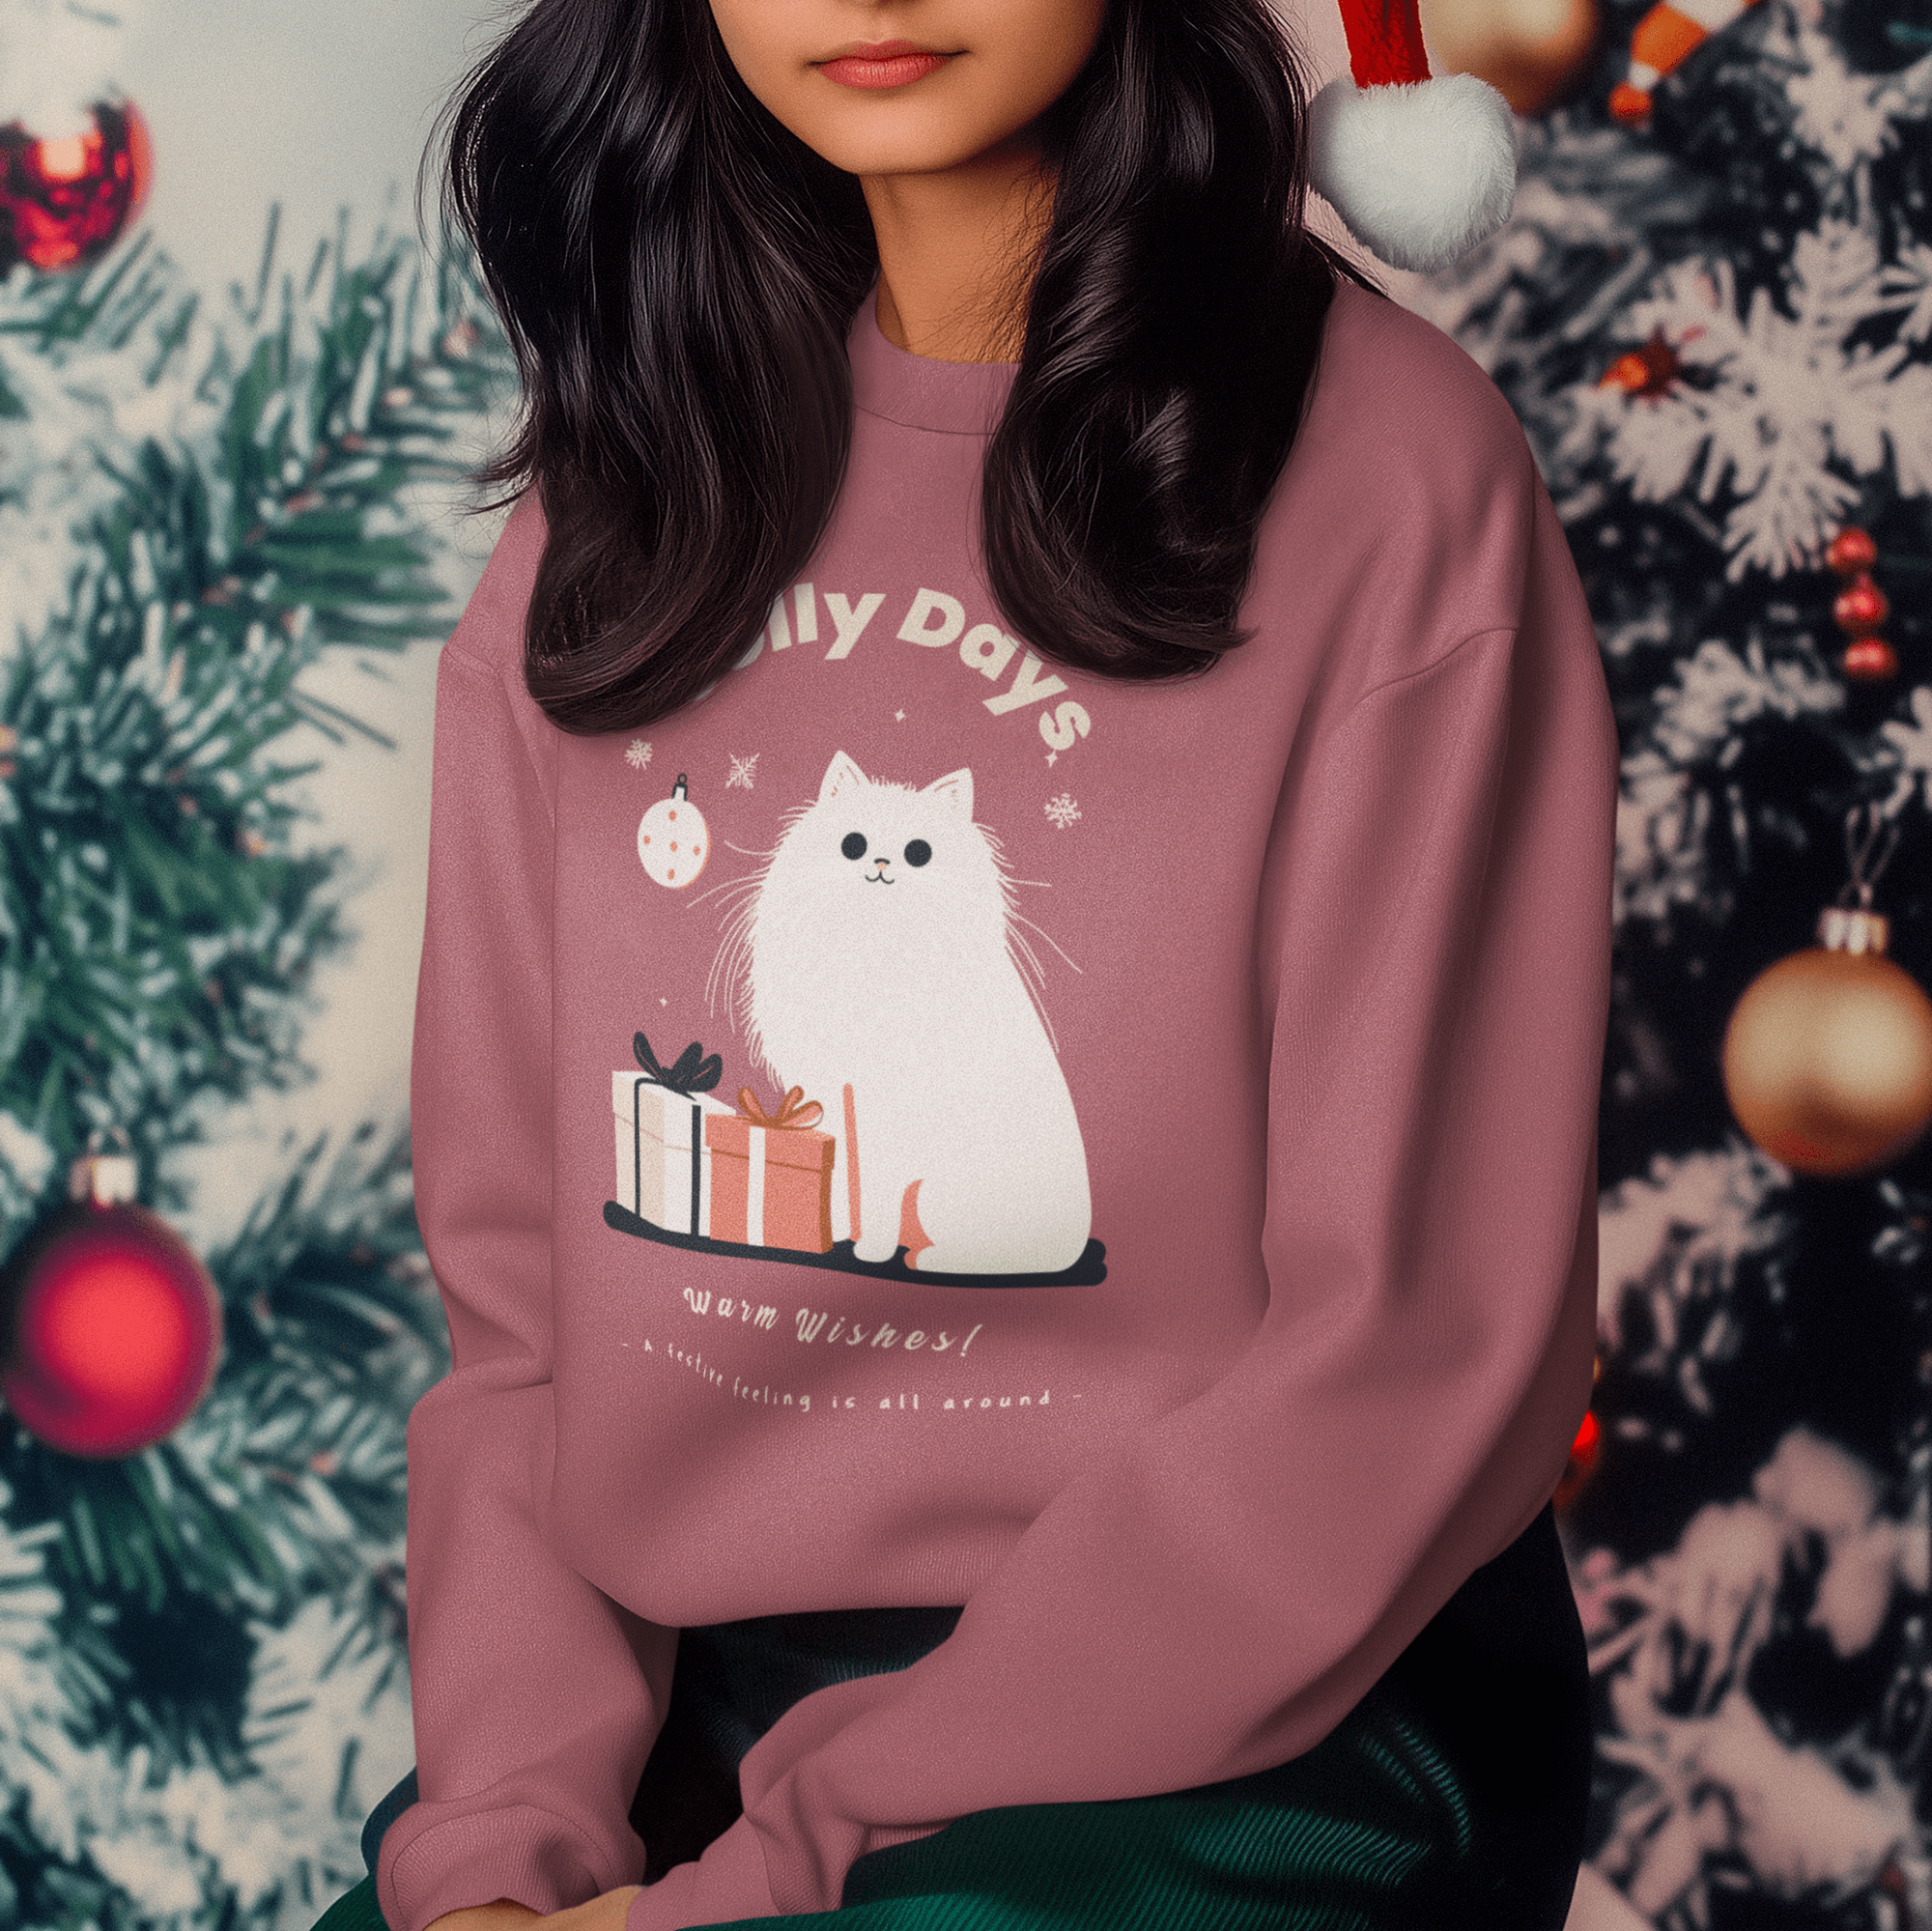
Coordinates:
956 398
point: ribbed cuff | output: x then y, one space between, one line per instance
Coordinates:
726 1885
530 1855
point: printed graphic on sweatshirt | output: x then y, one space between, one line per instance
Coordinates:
673 840
877 967
1034 698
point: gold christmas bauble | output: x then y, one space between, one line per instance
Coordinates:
1530 51
1828 1057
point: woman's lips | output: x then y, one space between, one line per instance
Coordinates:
891 65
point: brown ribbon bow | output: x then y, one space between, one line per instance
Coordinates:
794 1110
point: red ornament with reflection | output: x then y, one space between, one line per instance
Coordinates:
1850 551
1861 607
1869 660
65 199
1584 1453
115 1327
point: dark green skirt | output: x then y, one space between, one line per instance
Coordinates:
1453 1796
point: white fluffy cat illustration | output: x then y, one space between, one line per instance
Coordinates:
879 955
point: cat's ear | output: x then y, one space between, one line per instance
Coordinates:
954 789
841 774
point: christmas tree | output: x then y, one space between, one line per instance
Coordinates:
201 1643
1715 321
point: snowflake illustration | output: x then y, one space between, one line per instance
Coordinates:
639 755
1063 810
743 770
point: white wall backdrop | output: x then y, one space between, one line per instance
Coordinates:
320 108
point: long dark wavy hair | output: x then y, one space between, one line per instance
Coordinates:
678 274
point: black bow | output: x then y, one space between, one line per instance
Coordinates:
694 1071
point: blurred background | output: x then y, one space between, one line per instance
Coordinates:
239 396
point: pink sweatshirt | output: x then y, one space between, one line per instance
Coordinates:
1182 1250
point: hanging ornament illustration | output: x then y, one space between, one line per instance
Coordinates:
1664 39
113 1324
673 840
1828 1057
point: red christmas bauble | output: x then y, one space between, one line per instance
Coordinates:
1584 1453
114 1330
1850 551
65 199
1870 659
1860 608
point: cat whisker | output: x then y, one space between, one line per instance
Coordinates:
1023 957
738 917
746 882
1033 981
730 976
1046 935
728 973
733 906
735 940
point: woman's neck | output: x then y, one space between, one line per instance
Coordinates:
957 254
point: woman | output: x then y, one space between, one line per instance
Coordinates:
1002 644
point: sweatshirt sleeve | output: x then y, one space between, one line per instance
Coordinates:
1214 1595
504 1637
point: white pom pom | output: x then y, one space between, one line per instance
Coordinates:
1420 174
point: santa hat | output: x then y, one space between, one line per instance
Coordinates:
1421 170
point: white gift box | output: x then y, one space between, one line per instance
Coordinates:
663 1167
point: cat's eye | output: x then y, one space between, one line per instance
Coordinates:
854 845
918 852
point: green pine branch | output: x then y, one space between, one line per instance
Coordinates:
278 1487
159 925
